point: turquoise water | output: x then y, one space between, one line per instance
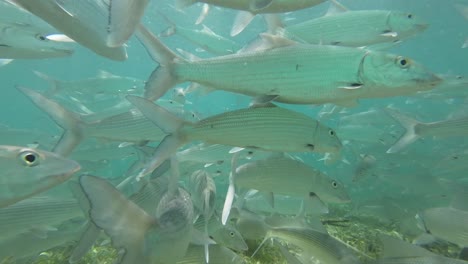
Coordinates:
421 176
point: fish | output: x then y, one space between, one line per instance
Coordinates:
204 38
294 74
202 189
24 41
224 235
39 215
286 176
324 247
359 28
416 129
396 251
104 83
264 127
161 238
123 18
129 126
251 8
81 22
434 221
29 244
27 172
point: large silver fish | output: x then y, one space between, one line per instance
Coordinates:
81 21
396 251
269 128
23 41
162 238
355 28
27 172
286 176
130 126
38 215
296 74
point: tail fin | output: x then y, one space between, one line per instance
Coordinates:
124 17
70 122
168 122
409 136
120 218
162 78
55 86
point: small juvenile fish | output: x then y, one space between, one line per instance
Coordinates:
250 8
27 172
294 73
268 127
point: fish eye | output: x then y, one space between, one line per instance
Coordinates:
402 62
334 184
41 37
311 146
231 234
410 16
331 132
29 158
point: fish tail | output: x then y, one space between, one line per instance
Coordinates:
122 220
409 136
168 122
54 84
207 242
123 18
163 77
69 121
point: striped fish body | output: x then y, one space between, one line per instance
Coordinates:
261 7
296 74
269 128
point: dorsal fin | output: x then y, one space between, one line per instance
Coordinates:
336 8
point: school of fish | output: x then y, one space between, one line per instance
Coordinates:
303 132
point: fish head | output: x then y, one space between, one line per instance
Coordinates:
229 236
24 41
326 140
26 172
405 24
333 191
385 75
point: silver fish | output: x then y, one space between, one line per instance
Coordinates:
396 251
416 129
355 28
130 126
146 239
297 74
37 214
22 41
268 128
218 255
27 172
83 22
286 176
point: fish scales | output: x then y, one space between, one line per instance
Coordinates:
342 27
305 69
276 122
128 126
